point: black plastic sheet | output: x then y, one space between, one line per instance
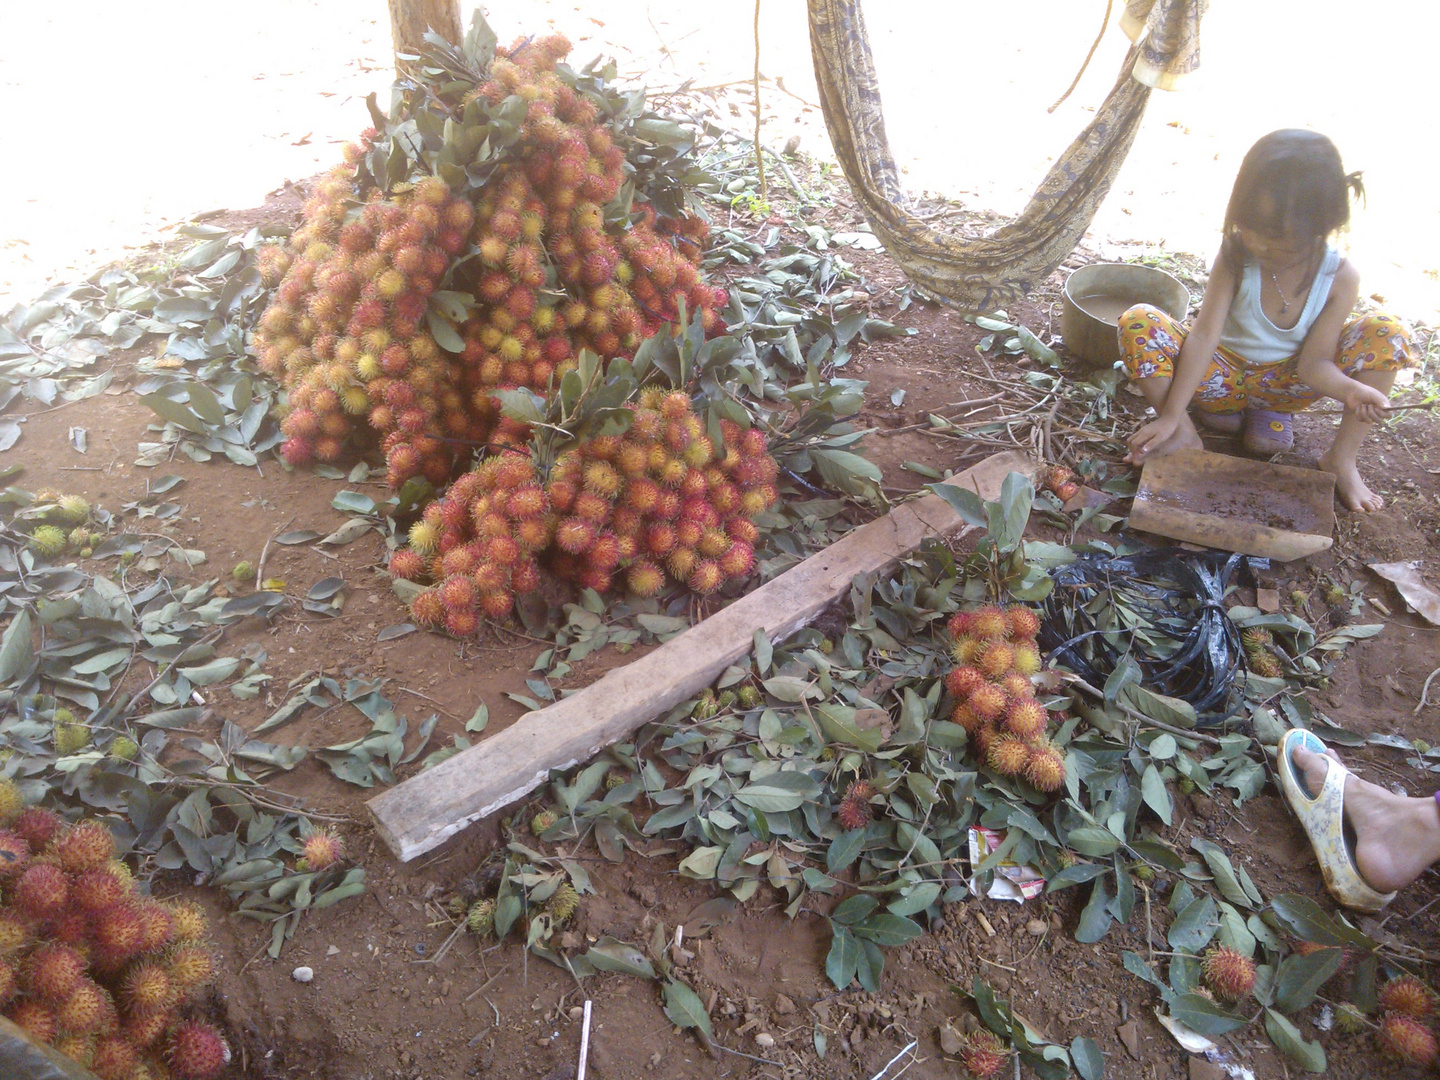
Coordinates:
1194 651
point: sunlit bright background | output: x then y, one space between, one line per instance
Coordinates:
125 119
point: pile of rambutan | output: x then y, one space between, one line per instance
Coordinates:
91 966
398 314
661 502
993 687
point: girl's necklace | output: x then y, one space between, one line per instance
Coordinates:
1285 301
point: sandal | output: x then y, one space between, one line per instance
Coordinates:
1268 432
1323 816
1226 423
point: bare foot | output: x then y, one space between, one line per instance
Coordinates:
1354 493
1396 838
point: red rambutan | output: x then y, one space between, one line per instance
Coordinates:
37 1020
705 578
37 826
324 847
983 1055
995 659
1407 995
42 891
1008 756
1046 767
963 681
84 845
147 989
853 813
1021 623
1231 974
988 702
196 1051
52 972
1026 718
1407 1039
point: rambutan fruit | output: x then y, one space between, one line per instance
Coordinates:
534 533
188 921
1407 995
297 452
604 554
87 1010
428 609
575 534
497 605
713 543
1046 767
146 1029
190 966
424 537
738 560
689 532
118 932
988 622
324 847
115 1058
995 659
602 478
592 507
42 891
562 903
705 578
853 813
99 887
1016 687
35 1019
52 972
147 989
963 681
156 930
36 825
86 844
644 578
983 1054
16 931
1229 973
524 576
1406 1039
758 499
1021 623
1008 756
681 563
965 716
988 702
1026 718
743 530
1025 659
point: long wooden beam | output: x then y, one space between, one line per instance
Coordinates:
429 808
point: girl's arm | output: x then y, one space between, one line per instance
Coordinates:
1199 346
1316 363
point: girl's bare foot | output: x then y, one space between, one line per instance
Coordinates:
1396 838
1354 493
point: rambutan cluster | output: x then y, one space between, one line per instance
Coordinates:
996 657
348 332
1405 1032
89 965
660 502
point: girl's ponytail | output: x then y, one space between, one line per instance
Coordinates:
1356 185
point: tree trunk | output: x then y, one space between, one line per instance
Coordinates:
410 19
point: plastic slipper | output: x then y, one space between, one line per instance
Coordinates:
1323 816
1228 423
1268 432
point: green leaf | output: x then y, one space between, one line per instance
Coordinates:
1310 1056
778 792
838 724
966 503
1300 977
920 898
1093 841
1165 709
888 930
854 909
685 1009
1199 1013
213 672
609 954
352 502
844 850
844 957
1095 919
1156 795
1195 925
17 652
1089 1061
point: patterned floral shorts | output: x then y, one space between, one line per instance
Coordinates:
1150 343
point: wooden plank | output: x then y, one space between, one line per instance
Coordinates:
424 811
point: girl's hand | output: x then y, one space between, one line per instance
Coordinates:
1367 403
1150 437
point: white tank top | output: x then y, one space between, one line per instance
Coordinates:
1248 331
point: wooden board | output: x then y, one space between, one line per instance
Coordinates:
424 811
1235 504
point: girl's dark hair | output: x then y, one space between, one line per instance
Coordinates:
1290 183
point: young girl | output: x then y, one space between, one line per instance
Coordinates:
1274 332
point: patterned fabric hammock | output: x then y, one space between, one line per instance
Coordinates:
984 273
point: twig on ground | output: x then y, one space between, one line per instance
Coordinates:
487 983
1425 692
265 552
584 1041
911 1045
